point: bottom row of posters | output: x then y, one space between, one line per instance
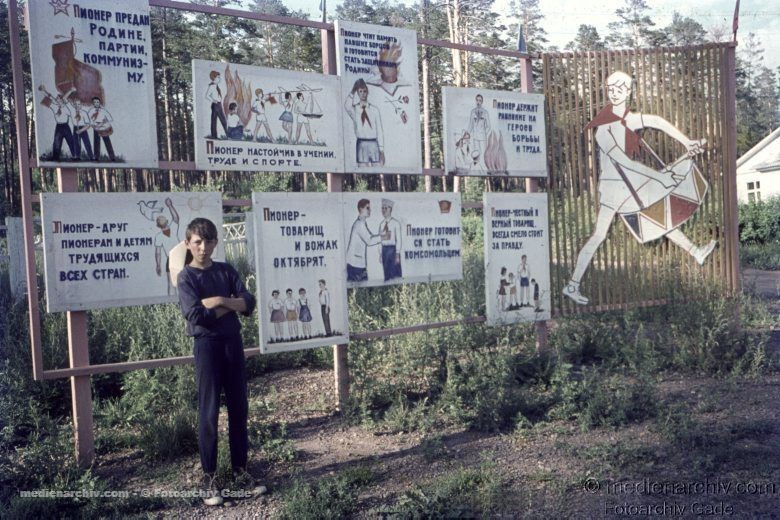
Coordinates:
112 250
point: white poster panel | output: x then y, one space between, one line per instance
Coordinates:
493 132
379 98
262 119
299 255
111 249
93 83
397 238
517 257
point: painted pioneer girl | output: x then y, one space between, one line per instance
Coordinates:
276 306
261 119
304 312
291 313
650 202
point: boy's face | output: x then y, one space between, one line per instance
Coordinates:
618 93
201 250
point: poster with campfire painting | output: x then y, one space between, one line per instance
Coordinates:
379 98
262 119
492 132
93 83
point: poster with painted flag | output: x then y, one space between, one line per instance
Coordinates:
301 284
93 83
262 119
379 98
112 249
517 257
494 133
397 238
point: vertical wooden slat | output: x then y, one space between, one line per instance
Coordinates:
714 155
590 109
554 187
729 100
585 154
563 181
570 132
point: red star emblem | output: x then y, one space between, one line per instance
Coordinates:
60 6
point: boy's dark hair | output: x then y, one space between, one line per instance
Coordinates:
232 105
202 227
360 83
321 280
362 203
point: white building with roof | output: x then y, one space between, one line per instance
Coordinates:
758 170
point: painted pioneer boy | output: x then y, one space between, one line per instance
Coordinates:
211 294
651 203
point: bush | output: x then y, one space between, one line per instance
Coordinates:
467 493
759 222
328 498
595 398
761 256
171 436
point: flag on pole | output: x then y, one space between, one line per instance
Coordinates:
735 23
521 45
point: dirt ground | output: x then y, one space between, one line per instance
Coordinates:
552 471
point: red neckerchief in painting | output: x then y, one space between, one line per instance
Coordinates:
633 143
633 139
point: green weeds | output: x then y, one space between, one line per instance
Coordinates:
328 498
466 493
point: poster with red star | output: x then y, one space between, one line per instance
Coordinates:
93 83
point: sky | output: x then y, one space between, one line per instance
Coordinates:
563 17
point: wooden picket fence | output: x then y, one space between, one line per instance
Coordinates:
693 89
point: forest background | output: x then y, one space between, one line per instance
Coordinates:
179 37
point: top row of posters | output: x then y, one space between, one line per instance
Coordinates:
95 104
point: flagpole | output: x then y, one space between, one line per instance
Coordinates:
734 23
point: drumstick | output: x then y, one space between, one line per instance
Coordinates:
665 166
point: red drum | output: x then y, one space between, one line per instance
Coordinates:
665 209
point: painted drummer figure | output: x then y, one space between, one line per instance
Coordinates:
626 186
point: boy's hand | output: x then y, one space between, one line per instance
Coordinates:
212 302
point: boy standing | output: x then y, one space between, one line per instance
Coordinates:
210 295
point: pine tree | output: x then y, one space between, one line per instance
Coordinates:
634 27
587 39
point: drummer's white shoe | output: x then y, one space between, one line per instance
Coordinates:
572 290
700 253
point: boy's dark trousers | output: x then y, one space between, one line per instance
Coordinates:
219 364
